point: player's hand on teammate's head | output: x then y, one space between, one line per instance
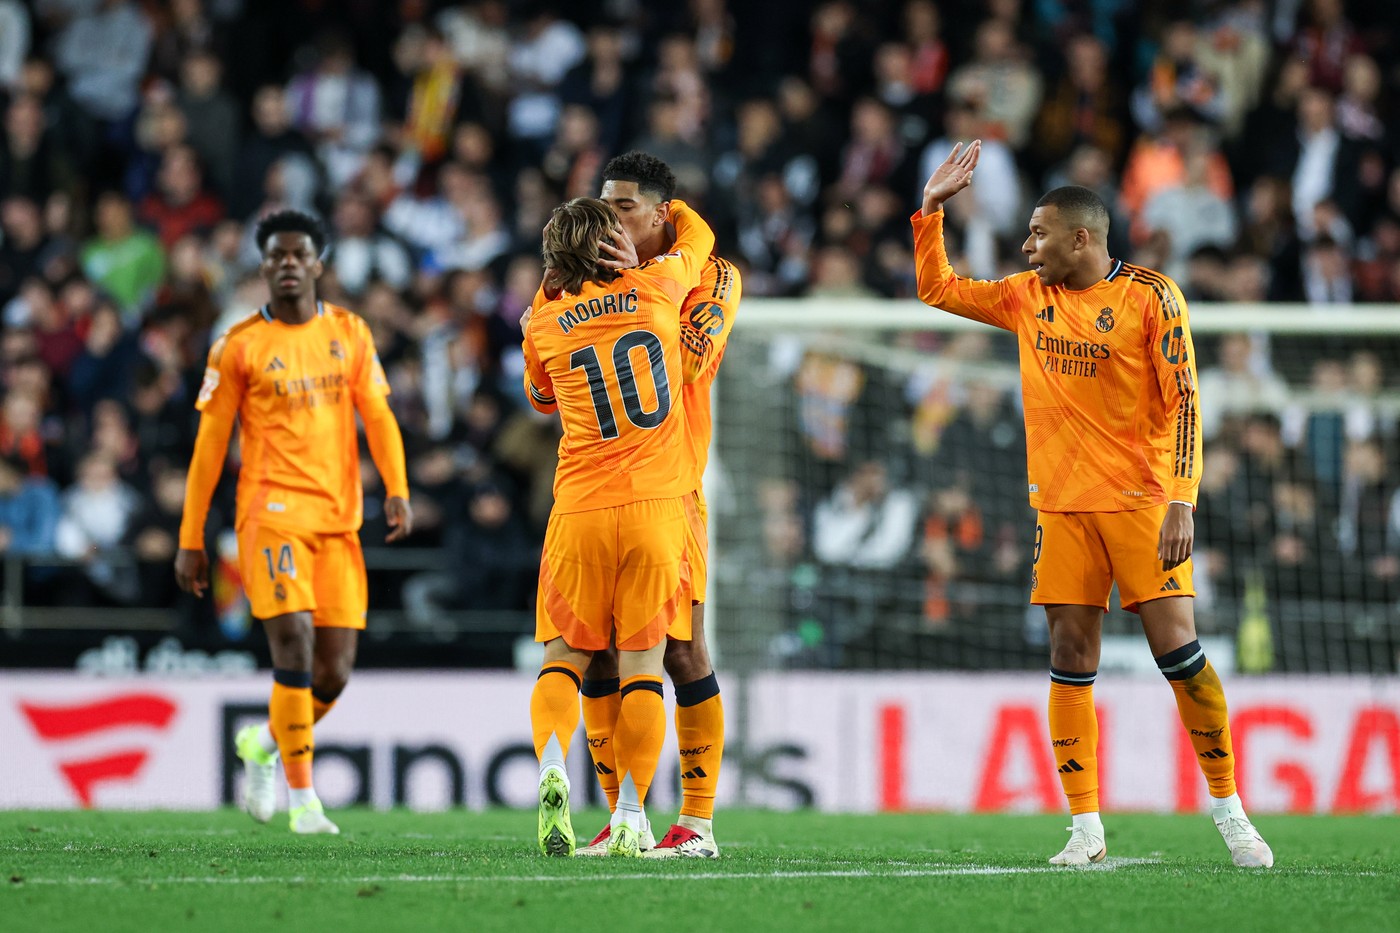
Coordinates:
620 254
192 570
952 176
399 514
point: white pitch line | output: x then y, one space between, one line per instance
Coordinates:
550 879
933 871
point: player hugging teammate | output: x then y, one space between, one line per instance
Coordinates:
622 580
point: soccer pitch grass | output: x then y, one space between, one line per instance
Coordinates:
481 871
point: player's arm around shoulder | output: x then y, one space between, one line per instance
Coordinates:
679 270
707 317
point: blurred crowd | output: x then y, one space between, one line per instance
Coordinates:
1246 147
895 526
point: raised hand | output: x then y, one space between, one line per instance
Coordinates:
952 176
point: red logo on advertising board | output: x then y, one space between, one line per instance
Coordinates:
84 720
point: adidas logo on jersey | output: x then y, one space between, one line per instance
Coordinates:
1046 314
275 365
1169 586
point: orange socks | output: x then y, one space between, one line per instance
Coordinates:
1200 699
320 707
602 701
641 730
554 707
700 731
1074 737
290 718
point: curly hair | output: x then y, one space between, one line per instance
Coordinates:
289 221
652 175
571 240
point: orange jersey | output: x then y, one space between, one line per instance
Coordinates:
295 389
1108 379
707 317
609 358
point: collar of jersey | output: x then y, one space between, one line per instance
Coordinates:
266 312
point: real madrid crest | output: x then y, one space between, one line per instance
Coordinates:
1105 321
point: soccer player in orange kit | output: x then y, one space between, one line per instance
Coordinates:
294 375
1113 437
640 187
603 348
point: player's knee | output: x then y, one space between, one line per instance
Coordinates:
686 661
328 681
602 666
1072 650
291 639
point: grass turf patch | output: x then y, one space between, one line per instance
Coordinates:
76 870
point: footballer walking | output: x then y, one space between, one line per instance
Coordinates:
1113 435
294 375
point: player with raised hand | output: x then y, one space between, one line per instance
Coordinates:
1108 379
640 188
294 375
603 348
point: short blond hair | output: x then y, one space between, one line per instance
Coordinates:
571 241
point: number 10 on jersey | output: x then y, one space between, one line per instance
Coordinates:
625 378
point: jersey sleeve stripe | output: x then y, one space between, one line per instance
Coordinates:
1184 459
1180 432
540 396
724 280
1166 300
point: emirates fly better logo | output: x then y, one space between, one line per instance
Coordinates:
61 725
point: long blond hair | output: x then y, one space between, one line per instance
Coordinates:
571 240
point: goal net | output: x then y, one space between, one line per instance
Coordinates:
868 492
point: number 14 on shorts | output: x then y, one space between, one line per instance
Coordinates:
285 564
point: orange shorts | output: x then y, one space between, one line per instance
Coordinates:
296 571
1080 555
697 555
621 570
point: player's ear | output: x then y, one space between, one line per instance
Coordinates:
663 213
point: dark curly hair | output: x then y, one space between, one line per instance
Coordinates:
290 222
651 175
